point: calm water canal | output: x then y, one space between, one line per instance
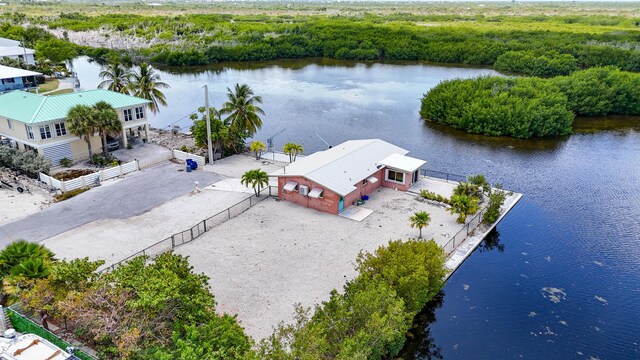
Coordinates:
559 279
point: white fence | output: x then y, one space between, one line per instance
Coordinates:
181 155
156 159
88 180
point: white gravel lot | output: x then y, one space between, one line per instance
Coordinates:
115 239
277 253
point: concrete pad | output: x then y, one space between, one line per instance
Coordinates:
235 166
356 213
148 153
230 184
277 157
438 186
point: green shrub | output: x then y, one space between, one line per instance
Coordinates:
429 195
492 212
101 160
69 194
24 325
24 161
536 63
66 162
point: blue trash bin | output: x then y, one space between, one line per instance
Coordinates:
189 161
188 168
194 165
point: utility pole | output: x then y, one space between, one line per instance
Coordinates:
208 120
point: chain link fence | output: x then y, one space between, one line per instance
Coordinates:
188 235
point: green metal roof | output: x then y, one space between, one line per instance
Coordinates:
32 109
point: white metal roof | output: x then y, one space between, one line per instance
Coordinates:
31 347
9 42
15 50
344 165
402 162
7 72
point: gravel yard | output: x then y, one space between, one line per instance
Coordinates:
278 253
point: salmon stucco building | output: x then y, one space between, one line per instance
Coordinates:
334 179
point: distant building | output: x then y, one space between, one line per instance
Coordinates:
38 122
17 79
12 49
334 179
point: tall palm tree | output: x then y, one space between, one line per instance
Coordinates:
255 178
107 122
146 84
420 219
116 77
242 109
81 122
293 150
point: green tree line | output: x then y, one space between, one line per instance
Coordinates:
513 43
526 107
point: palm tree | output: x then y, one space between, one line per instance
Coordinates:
257 147
420 219
146 84
107 122
20 251
116 77
293 150
256 178
463 205
242 109
81 122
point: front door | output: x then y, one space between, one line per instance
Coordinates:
341 204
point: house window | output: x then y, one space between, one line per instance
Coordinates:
127 115
8 81
29 130
139 112
61 130
45 132
10 124
395 176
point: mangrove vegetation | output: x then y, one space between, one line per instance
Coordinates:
525 107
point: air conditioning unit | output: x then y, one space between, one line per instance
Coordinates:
303 190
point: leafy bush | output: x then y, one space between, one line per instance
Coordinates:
429 195
24 161
66 162
536 63
69 194
492 212
370 318
24 325
101 160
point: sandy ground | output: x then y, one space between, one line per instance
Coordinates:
115 239
278 253
14 205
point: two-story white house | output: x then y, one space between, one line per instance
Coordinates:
38 122
12 49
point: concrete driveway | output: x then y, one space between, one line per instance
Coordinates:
133 195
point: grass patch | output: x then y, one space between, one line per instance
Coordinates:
60 92
50 84
69 194
24 325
